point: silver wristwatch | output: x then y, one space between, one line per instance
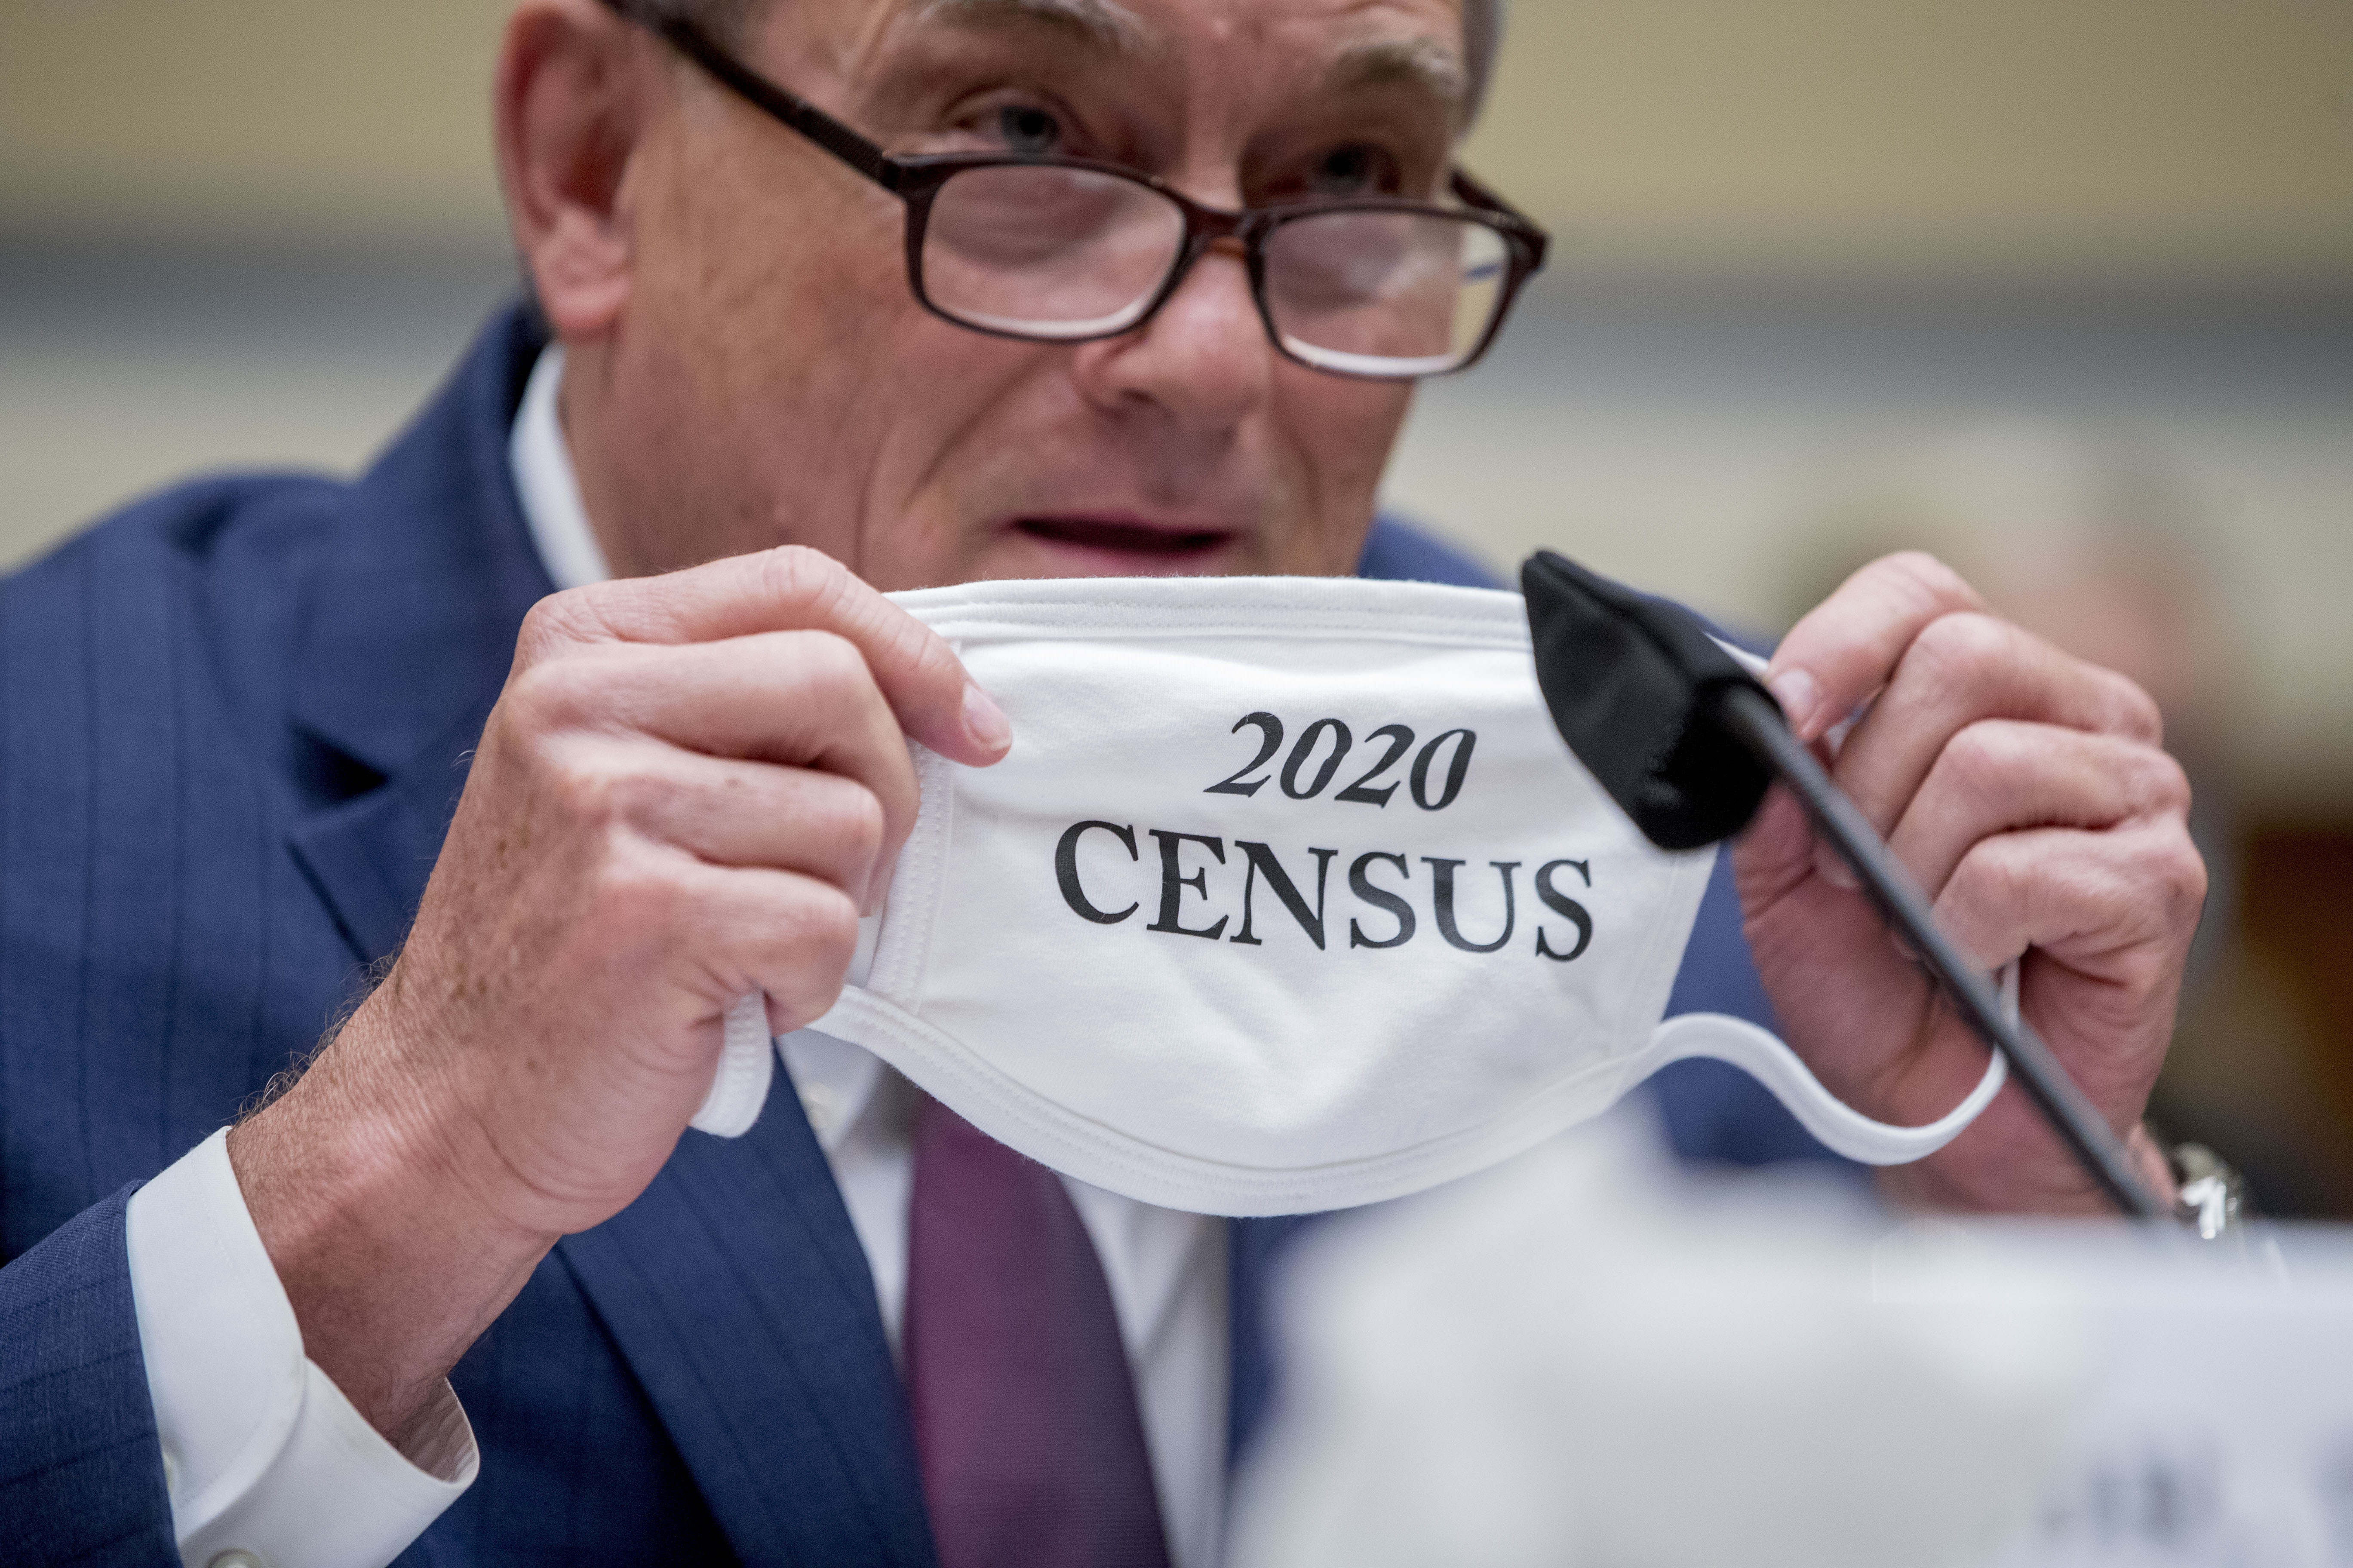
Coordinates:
2210 1196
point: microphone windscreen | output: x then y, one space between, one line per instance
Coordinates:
1632 684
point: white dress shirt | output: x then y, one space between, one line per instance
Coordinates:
263 1454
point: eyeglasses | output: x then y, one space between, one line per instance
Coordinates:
1054 250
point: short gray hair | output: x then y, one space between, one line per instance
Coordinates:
1483 32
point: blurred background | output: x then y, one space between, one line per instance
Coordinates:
2064 292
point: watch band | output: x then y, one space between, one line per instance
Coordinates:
2212 1196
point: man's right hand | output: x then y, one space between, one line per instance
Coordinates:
690 789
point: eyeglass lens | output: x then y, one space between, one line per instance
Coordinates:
1063 254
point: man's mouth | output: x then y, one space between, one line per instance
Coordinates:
1153 545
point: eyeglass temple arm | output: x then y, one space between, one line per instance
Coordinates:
1473 193
802 116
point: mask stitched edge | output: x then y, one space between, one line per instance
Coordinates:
903 945
1000 1104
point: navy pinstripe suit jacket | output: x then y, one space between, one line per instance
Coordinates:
233 725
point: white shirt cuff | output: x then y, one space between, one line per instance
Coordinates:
261 1451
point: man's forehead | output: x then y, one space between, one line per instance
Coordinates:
1105 23
1372 42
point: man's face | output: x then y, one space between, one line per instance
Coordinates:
771 378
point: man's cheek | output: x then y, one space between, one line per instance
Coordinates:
1351 422
1341 435
923 508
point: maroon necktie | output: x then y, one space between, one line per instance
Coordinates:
1025 1415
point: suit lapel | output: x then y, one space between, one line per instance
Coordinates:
739 1294
408 628
369 858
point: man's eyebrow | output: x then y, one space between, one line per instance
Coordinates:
1104 23
1424 63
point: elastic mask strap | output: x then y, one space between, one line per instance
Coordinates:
1842 1129
747 1064
739 1085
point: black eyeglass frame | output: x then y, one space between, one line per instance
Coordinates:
915 179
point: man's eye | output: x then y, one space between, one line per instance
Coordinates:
1356 170
1025 128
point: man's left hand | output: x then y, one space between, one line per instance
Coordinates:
2027 793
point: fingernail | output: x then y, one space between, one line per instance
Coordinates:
984 721
1798 693
1831 868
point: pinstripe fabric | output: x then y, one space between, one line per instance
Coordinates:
233 724
80 1480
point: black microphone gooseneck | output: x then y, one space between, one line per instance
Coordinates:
1687 741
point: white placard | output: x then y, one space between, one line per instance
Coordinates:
1587 1360
2219 1429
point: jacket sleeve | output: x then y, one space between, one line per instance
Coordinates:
81 1474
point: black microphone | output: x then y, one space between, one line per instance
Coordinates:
1687 741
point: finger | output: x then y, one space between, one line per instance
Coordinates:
2100 922
2119 905
806 699
789 936
1846 649
1963 668
788 589
752 814
709 934
1998 776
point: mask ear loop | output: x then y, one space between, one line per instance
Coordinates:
1840 1128
747 1064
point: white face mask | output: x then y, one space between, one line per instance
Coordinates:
1288 898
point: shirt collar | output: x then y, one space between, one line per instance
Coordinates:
548 486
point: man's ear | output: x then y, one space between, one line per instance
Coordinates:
574 98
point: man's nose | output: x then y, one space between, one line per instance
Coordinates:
1203 356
